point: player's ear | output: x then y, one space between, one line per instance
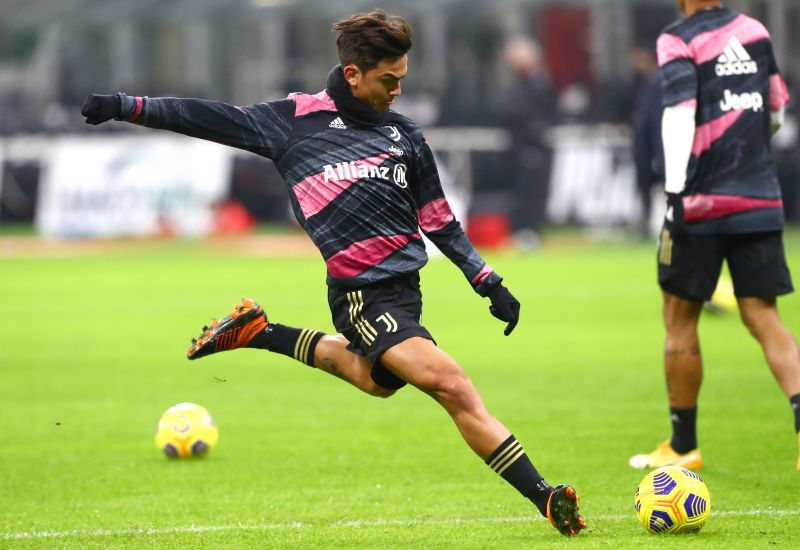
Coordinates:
351 74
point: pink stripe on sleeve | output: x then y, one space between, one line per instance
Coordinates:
435 215
305 103
710 45
691 103
360 256
138 111
482 275
706 135
669 47
778 92
315 192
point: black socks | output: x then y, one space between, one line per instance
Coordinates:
293 342
684 429
510 461
795 401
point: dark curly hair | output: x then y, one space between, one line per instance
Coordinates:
366 38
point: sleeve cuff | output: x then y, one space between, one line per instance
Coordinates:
487 284
130 107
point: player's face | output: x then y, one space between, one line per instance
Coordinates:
380 85
682 5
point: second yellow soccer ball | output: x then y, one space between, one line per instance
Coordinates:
672 499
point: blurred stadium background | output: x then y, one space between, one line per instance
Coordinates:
538 113
531 105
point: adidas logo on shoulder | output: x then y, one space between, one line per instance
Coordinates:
337 123
735 60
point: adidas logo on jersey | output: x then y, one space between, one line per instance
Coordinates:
337 123
752 101
735 60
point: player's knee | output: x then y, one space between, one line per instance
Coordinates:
757 325
456 390
680 330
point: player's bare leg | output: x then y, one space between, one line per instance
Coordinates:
333 357
779 345
247 326
780 349
683 364
683 369
421 363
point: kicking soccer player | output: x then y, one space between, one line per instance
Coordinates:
723 96
362 182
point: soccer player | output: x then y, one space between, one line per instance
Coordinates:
362 183
723 97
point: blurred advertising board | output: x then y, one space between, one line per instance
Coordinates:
130 186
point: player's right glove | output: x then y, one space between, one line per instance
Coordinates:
504 306
674 215
100 108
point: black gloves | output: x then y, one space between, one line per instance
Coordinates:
674 216
100 108
504 306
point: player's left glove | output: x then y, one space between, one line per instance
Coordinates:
504 306
674 215
101 108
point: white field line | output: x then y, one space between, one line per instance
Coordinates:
346 524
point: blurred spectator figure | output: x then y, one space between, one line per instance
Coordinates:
648 151
786 151
458 100
526 108
12 108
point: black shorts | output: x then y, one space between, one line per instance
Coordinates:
377 317
689 265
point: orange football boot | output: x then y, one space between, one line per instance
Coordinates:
234 331
562 511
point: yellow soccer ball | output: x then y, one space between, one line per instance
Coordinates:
723 299
672 499
186 430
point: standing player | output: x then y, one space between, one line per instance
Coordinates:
723 96
362 183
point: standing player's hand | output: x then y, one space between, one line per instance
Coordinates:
504 306
100 108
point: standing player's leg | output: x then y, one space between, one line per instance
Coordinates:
688 269
759 271
421 363
247 326
683 370
780 347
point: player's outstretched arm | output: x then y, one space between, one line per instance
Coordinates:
263 128
437 221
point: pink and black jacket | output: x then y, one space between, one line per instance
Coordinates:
362 184
722 63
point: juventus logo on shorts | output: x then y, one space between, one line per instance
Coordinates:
391 324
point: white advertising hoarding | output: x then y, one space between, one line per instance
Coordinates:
121 186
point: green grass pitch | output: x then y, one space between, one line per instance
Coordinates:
92 350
